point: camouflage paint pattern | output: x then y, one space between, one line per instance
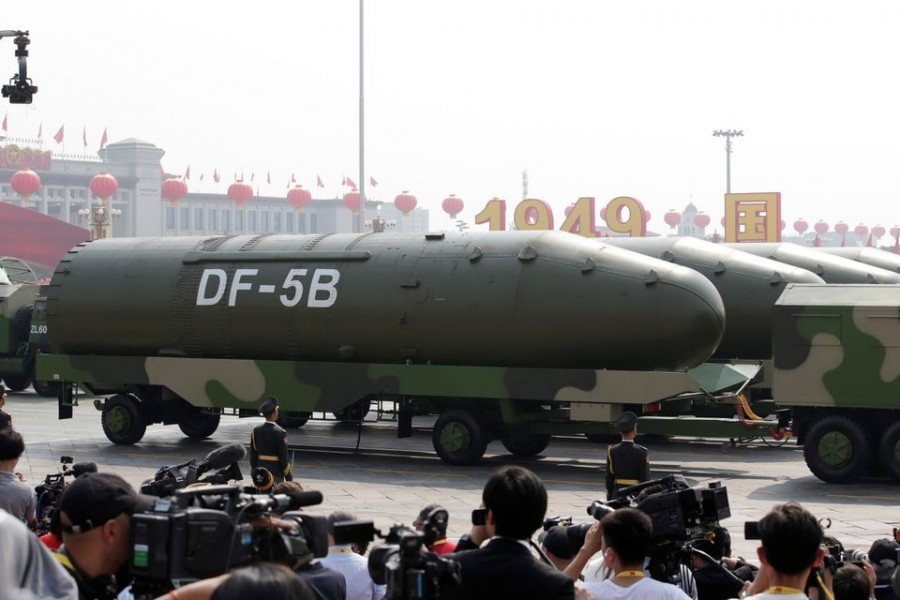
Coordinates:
329 387
837 346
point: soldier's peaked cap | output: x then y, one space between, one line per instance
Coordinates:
626 421
269 406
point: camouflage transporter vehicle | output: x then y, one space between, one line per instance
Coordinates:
837 368
514 336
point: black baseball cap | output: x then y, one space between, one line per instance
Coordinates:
94 498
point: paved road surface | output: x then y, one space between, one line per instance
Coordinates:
389 479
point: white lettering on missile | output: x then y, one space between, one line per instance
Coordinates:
237 285
322 289
292 281
202 298
329 287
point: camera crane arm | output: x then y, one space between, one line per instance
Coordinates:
20 90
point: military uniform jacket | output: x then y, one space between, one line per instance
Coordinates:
627 464
268 449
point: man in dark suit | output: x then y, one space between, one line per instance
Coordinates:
516 501
268 444
627 463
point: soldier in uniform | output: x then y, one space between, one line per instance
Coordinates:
268 444
627 463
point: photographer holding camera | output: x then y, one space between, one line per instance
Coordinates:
95 513
516 501
791 547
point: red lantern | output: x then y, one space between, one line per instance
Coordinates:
895 232
603 213
672 218
25 183
299 197
841 227
821 227
878 231
104 185
174 189
568 209
351 201
405 202
861 230
452 205
783 224
240 192
800 226
722 221
701 219
646 216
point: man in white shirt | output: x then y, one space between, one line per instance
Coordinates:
355 567
626 540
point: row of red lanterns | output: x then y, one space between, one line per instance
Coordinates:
27 182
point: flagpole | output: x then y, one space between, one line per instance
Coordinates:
362 129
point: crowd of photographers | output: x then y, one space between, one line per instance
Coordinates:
218 540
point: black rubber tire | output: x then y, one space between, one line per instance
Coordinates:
294 422
199 426
525 444
889 451
45 389
18 381
836 449
353 413
459 438
122 420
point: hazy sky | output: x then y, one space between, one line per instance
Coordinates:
593 98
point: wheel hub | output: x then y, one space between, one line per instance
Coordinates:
835 449
455 438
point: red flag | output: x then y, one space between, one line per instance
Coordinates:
319 181
60 134
4 122
187 172
350 183
818 241
41 131
216 175
869 243
372 181
104 139
84 135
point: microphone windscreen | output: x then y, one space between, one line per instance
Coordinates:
301 499
224 456
83 467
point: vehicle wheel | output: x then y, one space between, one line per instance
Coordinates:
17 382
525 444
46 389
122 420
836 449
889 451
458 437
355 412
199 426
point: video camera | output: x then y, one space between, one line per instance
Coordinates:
681 515
205 531
19 90
49 492
402 563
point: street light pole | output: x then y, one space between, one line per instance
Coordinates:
728 134
362 130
